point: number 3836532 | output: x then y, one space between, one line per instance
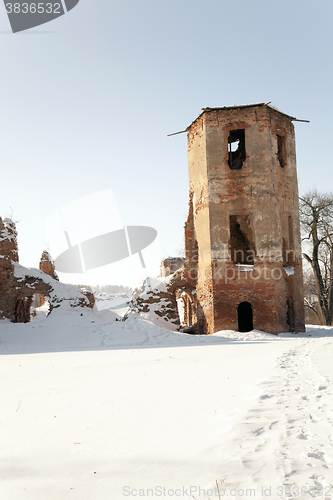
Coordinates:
33 8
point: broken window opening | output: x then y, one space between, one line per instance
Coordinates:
236 149
290 232
282 152
245 317
241 240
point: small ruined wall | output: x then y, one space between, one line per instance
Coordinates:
159 297
170 266
19 284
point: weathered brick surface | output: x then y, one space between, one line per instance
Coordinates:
90 296
171 265
8 253
264 196
46 265
16 293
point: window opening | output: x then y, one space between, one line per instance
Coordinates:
241 240
245 317
236 149
290 231
288 249
282 154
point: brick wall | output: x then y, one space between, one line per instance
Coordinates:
262 197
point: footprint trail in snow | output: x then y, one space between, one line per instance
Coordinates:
283 448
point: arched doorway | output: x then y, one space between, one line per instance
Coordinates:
245 317
22 310
186 308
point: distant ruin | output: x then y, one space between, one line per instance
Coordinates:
15 295
171 265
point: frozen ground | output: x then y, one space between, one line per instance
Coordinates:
97 409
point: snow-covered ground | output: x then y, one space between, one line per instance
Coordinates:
97 409
115 301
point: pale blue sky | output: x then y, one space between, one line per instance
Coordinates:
87 104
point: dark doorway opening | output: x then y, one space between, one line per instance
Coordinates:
245 317
22 310
290 314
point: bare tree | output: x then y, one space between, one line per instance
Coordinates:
311 296
316 217
12 216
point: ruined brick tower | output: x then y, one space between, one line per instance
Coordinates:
46 265
242 235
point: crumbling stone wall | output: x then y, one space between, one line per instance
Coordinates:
16 295
8 255
25 289
18 284
159 297
90 298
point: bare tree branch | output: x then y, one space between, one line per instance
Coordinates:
307 304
